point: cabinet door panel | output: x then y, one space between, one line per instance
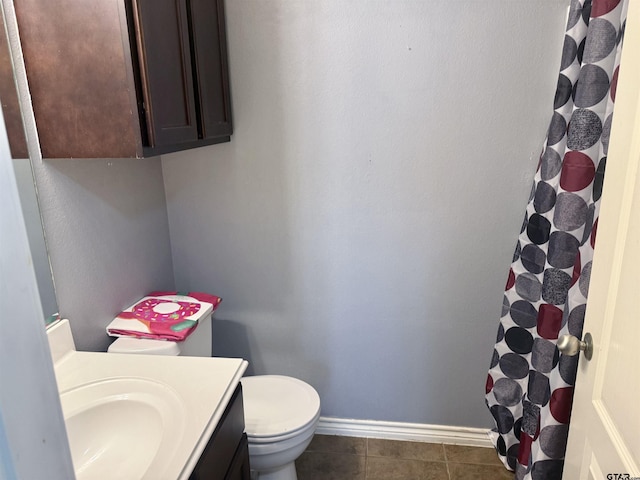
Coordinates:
78 61
162 35
240 468
210 58
218 455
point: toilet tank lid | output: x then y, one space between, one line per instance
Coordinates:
144 346
276 405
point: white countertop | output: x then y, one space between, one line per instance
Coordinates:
203 385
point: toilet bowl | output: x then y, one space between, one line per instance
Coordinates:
281 413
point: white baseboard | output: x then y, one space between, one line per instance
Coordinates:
417 432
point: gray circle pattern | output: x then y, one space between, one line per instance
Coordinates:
545 197
606 133
576 320
570 212
533 258
514 366
500 334
523 314
503 417
568 368
598 181
601 41
538 390
585 129
495 358
508 392
543 355
553 440
575 14
557 129
555 286
550 164
516 253
585 277
547 470
529 287
591 215
564 90
563 249
593 86
569 52
505 305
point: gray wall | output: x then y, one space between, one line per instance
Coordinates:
108 237
37 246
361 222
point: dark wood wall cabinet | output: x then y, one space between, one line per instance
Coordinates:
226 456
126 78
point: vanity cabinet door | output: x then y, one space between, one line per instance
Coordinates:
218 457
240 469
166 74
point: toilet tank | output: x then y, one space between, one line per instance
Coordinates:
197 344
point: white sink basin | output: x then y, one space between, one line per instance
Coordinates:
138 417
125 426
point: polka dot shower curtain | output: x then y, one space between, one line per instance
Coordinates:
529 388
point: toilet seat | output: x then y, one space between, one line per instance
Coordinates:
278 408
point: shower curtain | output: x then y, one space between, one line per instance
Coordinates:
529 389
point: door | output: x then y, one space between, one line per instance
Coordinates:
209 43
604 438
162 37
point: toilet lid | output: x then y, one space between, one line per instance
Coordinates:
275 405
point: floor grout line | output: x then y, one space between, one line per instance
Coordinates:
446 460
366 457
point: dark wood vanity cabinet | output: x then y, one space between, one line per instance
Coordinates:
126 78
226 456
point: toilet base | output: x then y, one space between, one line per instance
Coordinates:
286 472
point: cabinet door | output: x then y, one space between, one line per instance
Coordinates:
239 469
162 37
209 45
220 453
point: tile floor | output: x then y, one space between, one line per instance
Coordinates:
350 458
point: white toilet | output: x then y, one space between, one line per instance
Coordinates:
281 413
